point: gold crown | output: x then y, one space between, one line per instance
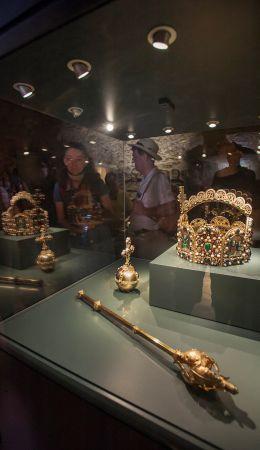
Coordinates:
24 217
223 236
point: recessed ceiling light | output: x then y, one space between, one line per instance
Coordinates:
86 161
204 155
66 145
100 163
44 149
75 111
179 156
26 153
168 130
161 37
258 152
109 126
212 123
80 67
131 135
92 142
26 90
258 147
53 157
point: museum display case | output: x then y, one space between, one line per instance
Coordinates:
129 242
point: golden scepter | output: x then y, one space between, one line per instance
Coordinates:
196 367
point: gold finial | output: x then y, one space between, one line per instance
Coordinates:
128 251
43 238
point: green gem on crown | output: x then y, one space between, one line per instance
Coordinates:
207 246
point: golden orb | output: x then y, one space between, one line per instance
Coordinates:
126 278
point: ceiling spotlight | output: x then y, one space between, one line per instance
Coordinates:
26 90
26 153
161 37
258 147
100 163
79 67
204 155
75 111
179 156
212 123
109 126
66 145
53 157
92 142
86 161
44 149
131 135
258 152
168 130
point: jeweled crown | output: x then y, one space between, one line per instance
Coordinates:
24 217
215 227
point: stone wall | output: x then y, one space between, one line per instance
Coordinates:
106 152
110 154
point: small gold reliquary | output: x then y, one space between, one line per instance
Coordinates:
24 217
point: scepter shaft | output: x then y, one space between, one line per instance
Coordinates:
103 310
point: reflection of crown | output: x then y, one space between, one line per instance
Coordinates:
83 211
24 217
223 236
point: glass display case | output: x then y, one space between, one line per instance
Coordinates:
121 199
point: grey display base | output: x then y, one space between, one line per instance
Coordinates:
226 294
21 252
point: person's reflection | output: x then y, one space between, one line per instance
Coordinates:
176 182
81 200
234 176
153 218
122 206
4 200
232 310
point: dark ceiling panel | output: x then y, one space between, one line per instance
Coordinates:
11 10
25 20
211 71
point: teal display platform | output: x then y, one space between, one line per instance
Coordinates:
21 252
65 340
226 294
68 268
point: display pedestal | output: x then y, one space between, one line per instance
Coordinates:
226 294
21 252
